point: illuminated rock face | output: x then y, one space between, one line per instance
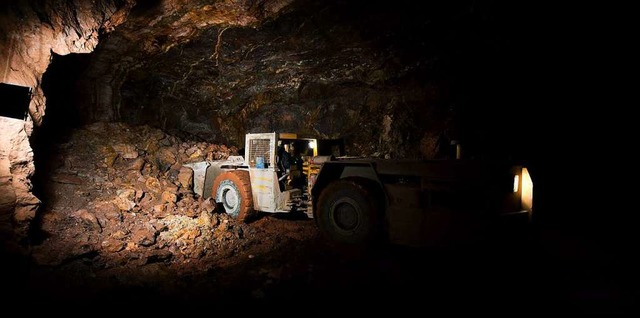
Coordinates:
17 204
31 31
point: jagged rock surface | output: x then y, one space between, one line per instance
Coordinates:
107 223
32 32
365 72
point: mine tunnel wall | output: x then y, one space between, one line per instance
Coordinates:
30 32
17 204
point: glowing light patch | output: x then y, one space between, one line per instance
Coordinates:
312 144
516 181
527 189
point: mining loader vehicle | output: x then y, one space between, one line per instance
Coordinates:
271 177
361 200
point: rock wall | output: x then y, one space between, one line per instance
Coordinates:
153 29
29 32
375 75
17 204
32 30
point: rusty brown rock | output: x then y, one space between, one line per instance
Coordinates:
170 187
224 226
144 237
125 199
189 234
151 145
126 151
205 220
185 177
131 246
136 164
109 211
169 197
139 195
118 235
159 208
160 211
148 201
112 245
132 176
153 184
147 169
172 208
166 156
208 205
110 159
193 151
88 219
191 212
176 166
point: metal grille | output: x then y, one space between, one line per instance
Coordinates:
260 148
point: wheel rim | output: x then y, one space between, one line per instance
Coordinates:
230 198
345 215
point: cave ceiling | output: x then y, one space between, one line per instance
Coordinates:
391 78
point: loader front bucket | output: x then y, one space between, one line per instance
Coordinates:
199 176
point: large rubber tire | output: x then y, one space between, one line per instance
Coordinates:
349 213
232 189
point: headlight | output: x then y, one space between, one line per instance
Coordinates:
527 190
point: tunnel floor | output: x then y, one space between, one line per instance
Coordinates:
118 226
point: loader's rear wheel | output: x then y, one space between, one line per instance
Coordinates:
348 212
232 189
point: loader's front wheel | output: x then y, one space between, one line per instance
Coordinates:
232 189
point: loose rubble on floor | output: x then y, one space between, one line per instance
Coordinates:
118 198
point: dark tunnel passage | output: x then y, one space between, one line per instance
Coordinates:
60 87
